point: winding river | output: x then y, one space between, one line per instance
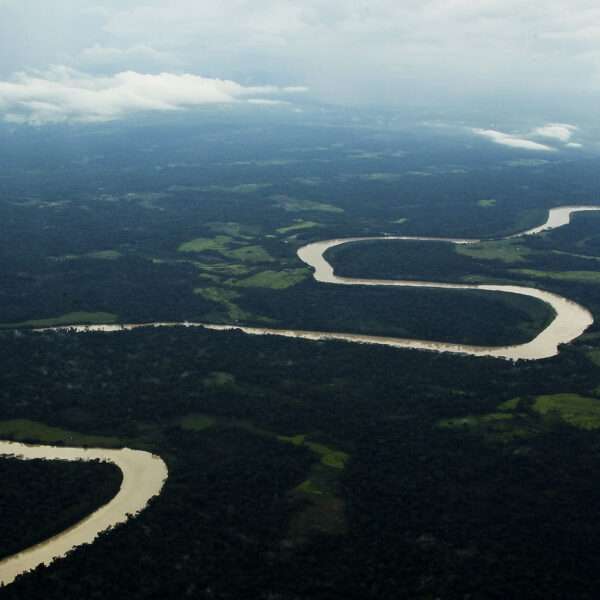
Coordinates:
570 322
144 474
143 478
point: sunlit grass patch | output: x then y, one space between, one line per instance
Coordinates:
249 253
72 318
105 254
227 247
400 221
21 430
224 297
294 205
299 224
511 404
274 280
574 409
329 457
583 276
507 251
218 378
219 244
486 203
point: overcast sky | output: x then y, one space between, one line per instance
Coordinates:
96 60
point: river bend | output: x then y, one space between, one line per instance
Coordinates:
144 474
143 478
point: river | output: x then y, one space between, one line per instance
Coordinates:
144 474
143 478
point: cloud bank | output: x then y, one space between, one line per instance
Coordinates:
508 140
382 52
557 132
63 94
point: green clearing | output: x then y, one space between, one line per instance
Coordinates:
576 255
224 297
72 318
487 203
508 251
582 276
508 425
496 427
294 205
218 378
300 224
22 430
511 404
222 245
219 244
274 280
329 457
249 254
400 221
225 268
572 408
105 254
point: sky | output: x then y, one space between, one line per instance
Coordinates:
86 60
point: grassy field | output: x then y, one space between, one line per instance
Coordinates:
329 457
583 276
508 251
224 245
299 224
72 318
574 409
293 205
218 378
219 244
486 203
22 430
274 280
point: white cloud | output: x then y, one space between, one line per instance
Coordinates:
439 53
510 140
574 145
558 131
265 101
295 89
63 94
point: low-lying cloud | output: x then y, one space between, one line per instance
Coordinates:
557 132
63 94
510 140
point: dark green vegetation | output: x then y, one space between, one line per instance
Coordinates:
452 509
297 469
39 498
201 222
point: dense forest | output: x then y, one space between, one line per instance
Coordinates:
45 497
298 469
